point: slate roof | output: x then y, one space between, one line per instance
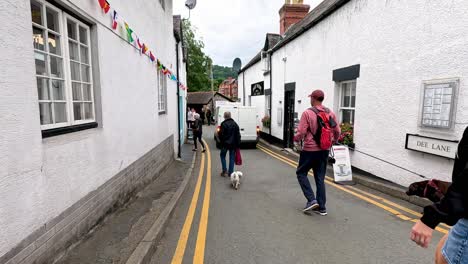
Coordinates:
178 34
177 22
254 60
323 10
203 98
271 40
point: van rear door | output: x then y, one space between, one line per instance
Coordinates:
247 123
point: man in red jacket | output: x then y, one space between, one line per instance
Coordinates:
312 155
452 210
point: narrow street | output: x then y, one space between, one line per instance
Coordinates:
262 222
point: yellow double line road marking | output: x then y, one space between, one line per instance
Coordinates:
363 195
202 229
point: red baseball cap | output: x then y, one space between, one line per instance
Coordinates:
317 94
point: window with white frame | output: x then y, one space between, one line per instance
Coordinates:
63 67
347 101
162 93
438 103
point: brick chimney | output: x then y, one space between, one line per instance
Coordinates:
292 12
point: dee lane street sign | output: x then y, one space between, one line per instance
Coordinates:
434 146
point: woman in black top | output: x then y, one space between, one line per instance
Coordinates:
452 210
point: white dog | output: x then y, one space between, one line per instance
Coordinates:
235 179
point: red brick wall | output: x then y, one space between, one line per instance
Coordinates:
291 14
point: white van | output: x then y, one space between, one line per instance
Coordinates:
245 117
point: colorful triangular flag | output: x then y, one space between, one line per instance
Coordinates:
139 43
152 58
129 32
114 20
104 5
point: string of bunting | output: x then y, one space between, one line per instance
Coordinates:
131 35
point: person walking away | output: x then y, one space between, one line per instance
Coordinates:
452 210
197 132
208 116
230 138
314 154
202 116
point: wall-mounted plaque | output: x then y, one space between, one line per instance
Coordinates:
434 146
438 103
257 89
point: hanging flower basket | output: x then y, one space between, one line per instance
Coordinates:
266 121
347 135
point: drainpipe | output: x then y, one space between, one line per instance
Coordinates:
178 102
271 90
243 87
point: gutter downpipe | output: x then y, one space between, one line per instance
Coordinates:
271 87
178 102
243 88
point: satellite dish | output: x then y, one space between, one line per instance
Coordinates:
190 4
237 65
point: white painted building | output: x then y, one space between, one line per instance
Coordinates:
394 69
85 120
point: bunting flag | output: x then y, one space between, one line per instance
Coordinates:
104 5
129 32
139 43
114 20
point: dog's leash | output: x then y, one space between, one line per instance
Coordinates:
384 161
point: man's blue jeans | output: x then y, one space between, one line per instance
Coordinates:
231 159
317 161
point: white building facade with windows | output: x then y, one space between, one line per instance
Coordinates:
85 119
394 70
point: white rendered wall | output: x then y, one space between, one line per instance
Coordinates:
252 75
398 45
41 178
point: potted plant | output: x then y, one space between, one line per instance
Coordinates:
266 121
347 135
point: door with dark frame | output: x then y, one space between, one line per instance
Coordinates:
289 110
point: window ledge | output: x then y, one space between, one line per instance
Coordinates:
66 130
162 113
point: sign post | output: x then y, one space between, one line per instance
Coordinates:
342 166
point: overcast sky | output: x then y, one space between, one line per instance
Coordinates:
234 28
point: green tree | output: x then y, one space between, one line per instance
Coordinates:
223 72
198 63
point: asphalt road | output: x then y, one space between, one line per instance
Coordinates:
262 222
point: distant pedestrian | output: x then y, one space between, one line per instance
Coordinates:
452 210
202 116
229 137
192 117
197 132
314 155
189 117
208 116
